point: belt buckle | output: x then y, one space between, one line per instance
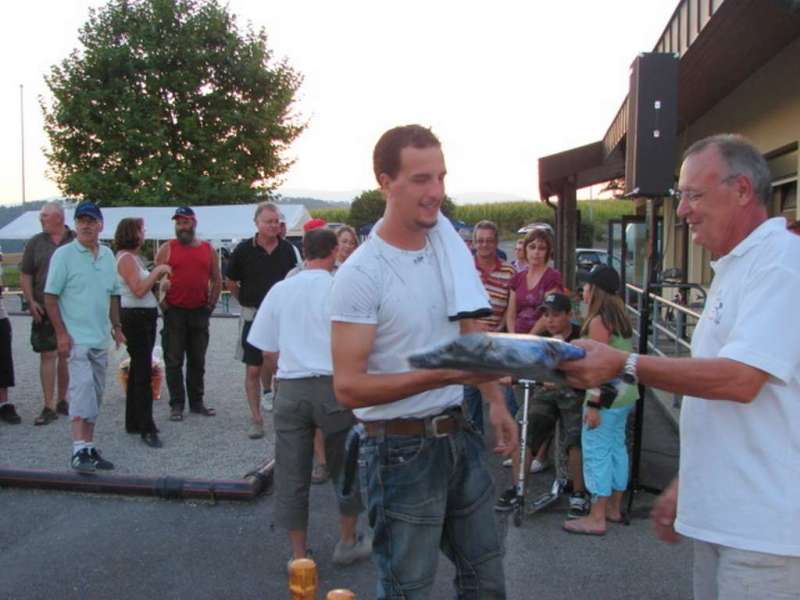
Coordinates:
435 425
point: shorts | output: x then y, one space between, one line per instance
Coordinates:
545 408
43 336
6 360
251 355
87 380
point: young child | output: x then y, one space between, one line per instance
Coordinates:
550 403
605 455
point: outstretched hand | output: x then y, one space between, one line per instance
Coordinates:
602 363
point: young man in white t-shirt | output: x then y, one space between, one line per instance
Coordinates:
423 468
740 446
292 328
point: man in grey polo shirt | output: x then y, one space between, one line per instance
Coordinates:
81 295
33 274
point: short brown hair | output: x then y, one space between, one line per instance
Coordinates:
542 235
386 156
126 237
485 224
319 243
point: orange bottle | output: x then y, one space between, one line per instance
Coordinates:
303 579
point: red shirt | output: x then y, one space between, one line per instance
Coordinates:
191 272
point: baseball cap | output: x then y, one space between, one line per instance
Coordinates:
314 224
89 209
183 212
604 277
558 302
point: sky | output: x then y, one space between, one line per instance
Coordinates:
500 83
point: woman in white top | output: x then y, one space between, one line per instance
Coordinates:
138 315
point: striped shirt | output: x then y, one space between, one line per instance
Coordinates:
496 280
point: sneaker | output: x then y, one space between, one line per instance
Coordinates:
319 473
9 414
347 554
579 505
47 415
100 462
507 500
538 467
269 396
62 408
256 430
82 462
507 463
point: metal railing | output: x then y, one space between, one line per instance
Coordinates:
670 324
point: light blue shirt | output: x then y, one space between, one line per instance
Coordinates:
84 284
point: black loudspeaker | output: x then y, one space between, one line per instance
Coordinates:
652 122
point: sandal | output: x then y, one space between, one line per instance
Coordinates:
46 416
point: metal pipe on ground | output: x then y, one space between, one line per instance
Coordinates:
253 484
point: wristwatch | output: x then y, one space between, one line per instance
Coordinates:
628 374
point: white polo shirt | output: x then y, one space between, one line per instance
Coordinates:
740 463
295 320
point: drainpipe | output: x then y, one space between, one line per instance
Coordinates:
251 486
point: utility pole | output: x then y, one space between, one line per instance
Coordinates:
22 139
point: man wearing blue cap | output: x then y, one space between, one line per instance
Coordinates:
82 302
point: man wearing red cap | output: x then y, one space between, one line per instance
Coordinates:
257 264
191 294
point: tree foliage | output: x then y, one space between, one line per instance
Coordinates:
167 101
368 207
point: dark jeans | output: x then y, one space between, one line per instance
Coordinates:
185 333
139 327
427 494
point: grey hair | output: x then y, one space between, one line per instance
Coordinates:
484 224
55 207
742 158
262 206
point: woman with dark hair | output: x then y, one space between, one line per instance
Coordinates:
138 315
529 287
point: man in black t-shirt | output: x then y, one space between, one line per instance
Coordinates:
257 264
548 404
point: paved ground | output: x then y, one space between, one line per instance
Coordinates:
77 546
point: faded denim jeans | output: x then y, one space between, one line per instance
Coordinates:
424 494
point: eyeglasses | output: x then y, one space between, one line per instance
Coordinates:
693 196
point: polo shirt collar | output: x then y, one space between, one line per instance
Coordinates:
497 264
758 235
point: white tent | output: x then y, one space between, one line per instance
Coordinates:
233 221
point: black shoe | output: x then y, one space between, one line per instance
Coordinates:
206 411
46 416
9 414
82 462
152 440
100 462
62 408
579 505
507 500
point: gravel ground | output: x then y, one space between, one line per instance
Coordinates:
199 447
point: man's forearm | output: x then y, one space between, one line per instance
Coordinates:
26 284
213 294
113 312
367 389
54 314
710 378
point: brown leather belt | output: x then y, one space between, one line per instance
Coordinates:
436 426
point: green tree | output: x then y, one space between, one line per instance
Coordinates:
167 101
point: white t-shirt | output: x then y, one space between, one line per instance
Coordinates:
740 463
295 320
401 292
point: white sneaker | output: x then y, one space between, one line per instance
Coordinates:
347 554
507 463
268 398
538 467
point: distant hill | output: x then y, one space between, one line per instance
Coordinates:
311 203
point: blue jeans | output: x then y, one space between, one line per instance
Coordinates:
473 404
424 494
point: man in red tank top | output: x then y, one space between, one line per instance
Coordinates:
191 293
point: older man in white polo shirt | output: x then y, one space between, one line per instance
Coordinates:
740 447
293 329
